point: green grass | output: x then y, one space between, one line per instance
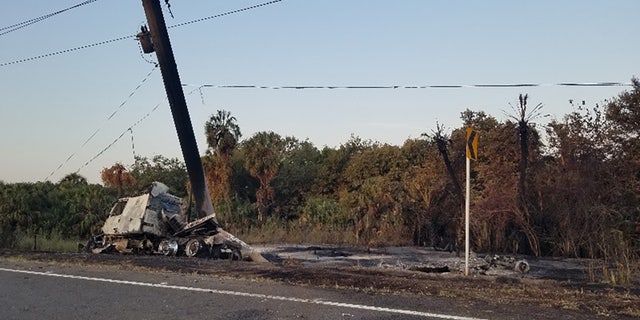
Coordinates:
53 243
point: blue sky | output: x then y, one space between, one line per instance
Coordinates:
50 106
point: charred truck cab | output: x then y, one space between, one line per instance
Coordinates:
156 223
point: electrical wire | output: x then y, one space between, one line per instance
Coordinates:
133 145
104 123
507 85
225 14
29 22
4 64
66 51
142 55
129 129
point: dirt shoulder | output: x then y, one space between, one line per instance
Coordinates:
311 266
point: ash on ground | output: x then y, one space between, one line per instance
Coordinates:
426 260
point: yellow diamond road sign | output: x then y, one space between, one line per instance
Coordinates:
472 144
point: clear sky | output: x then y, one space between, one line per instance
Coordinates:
50 106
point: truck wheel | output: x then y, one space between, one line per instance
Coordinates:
168 248
193 248
522 266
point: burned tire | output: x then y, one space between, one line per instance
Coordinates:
225 252
194 248
168 247
522 266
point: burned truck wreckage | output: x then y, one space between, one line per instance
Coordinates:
156 223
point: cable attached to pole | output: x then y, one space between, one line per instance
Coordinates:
29 22
133 92
4 64
460 86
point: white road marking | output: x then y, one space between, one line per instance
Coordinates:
247 294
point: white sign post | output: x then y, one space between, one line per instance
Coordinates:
472 153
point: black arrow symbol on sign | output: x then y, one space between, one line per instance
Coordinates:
472 153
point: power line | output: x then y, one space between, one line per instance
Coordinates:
103 124
225 14
129 129
29 22
142 55
4 64
66 51
133 145
443 86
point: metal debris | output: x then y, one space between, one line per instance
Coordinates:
156 223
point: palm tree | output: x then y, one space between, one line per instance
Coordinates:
442 141
223 134
264 152
523 119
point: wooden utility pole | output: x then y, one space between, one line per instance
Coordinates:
181 119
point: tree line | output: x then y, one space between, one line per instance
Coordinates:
568 188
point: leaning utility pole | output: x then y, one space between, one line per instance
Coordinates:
181 119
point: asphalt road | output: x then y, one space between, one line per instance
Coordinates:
37 290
